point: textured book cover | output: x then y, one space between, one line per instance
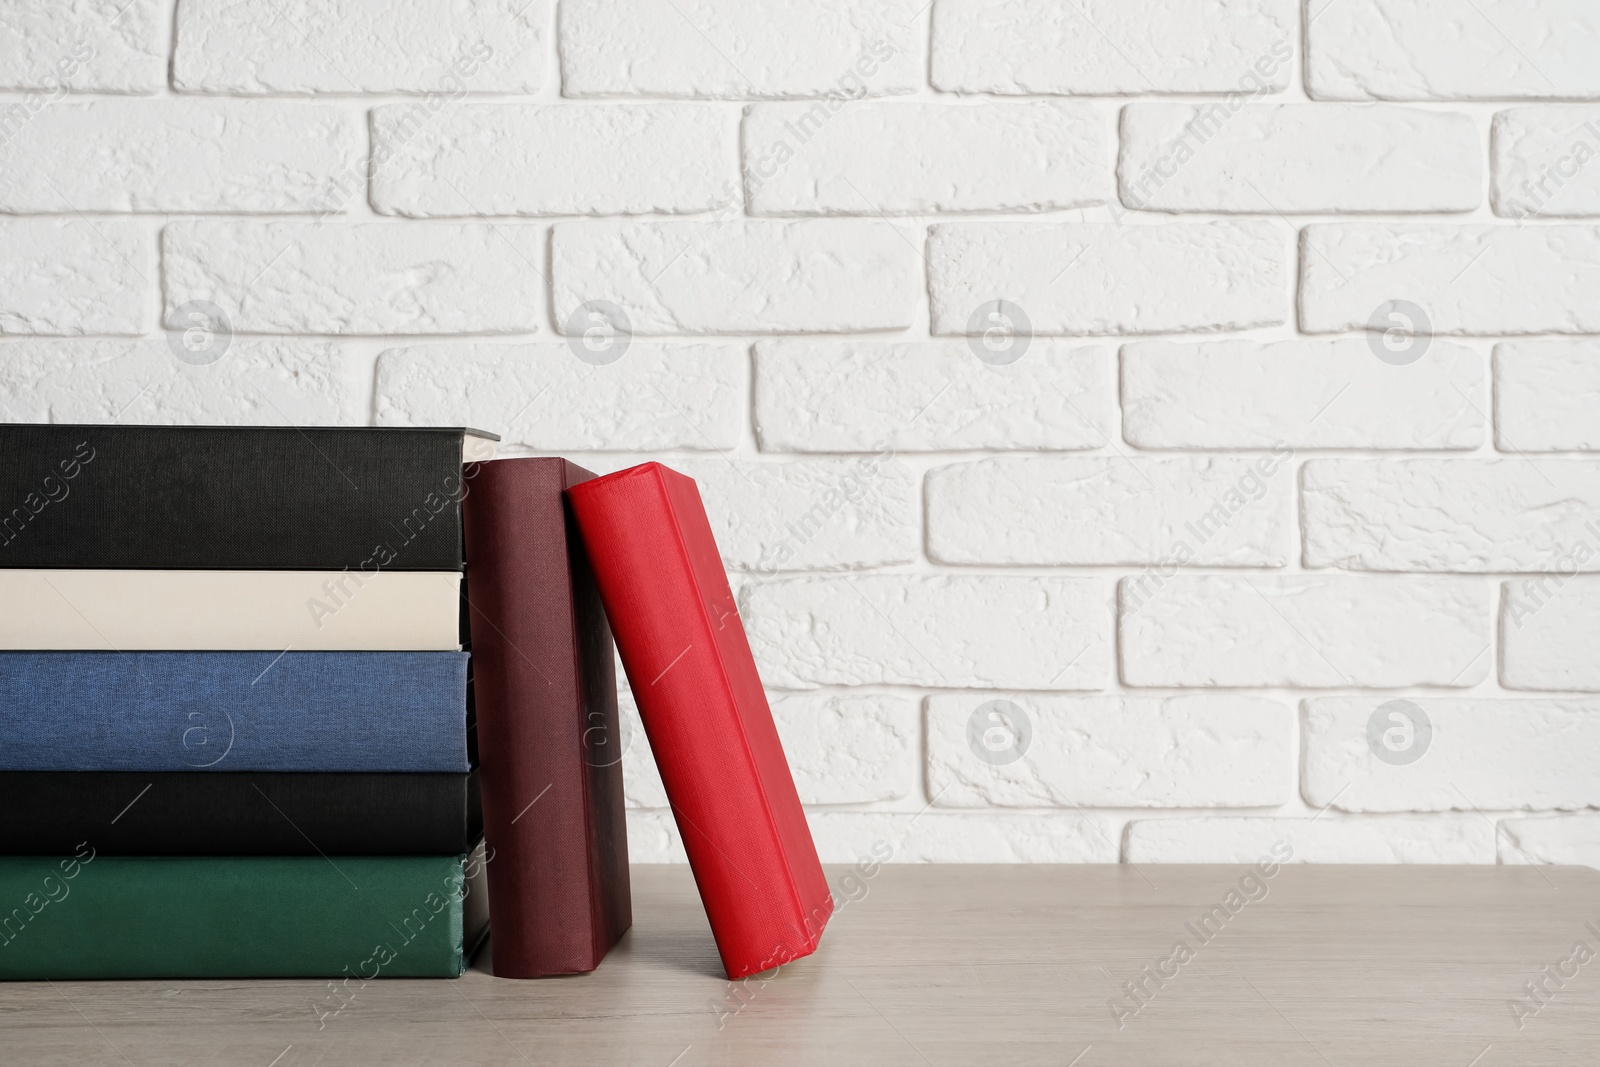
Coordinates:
548 742
233 711
89 915
127 813
706 715
361 499
229 610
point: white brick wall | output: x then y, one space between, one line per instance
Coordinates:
822 276
1099 278
1310 158
1138 431
45 44
79 275
1303 394
1481 754
519 159
1137 752
228 156
1089 510
1317 632
1136 46
1477 279
324 46
1424 50
1545 396
921 159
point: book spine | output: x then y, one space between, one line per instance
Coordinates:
92 916
245 814
248 498
707 719
233 711
151 610
545 699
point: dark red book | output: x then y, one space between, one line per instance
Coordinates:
706 715
545 695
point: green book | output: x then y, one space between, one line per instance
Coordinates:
352 917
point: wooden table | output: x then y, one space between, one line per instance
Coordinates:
1336 966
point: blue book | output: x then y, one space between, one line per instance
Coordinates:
233 711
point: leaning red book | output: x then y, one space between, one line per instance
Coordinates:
706 715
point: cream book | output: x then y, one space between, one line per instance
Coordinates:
227 610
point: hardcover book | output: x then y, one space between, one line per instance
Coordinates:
90 915
545 692
200 813
706 715
234 497
233 711
128 610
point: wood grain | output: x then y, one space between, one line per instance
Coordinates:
936 965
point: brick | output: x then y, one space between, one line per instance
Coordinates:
1302 394
1094 510
1466 279
1546 394
908 837
1125 752
75 276
1476 753
170 155
843 748
538 159
543 397
947 837
1434 839
1464 515
918 159
1104 278
1301 158
1560 839
1134 46
950 631
1312 632
1541 162
861 396
437 47
1421 50
839 275
255 382
374 278
815 514
82 46
736 50
849 748
1550 628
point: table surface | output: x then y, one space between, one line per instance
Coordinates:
934 965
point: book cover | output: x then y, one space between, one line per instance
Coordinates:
706 715
88 915
233 711
128 610
199 813
234 497
549 747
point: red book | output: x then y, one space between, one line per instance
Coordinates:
706 715
545 694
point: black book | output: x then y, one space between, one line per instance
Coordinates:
234 498
199 813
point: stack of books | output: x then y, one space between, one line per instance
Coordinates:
239 736
234 735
